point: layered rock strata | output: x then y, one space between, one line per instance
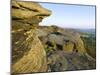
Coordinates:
38 48
28 54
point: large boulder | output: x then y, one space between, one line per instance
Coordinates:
28 54
29 12
68 39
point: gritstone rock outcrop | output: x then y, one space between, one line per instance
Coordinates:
28 54
44 48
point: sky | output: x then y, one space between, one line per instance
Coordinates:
70 16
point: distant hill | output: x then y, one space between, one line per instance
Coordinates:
86 30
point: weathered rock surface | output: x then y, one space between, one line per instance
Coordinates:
28 54
68 39
44 48
34 60
64 61
69 47
28 12
65 50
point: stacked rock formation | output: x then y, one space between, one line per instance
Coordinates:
28 54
